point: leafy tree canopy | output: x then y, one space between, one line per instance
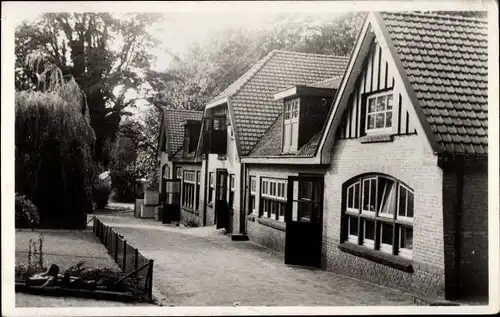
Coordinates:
107 55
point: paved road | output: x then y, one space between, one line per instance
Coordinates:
202 267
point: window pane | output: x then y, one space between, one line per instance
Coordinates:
380 120
386 194
402 201
373 194
406 238
369 229
388 119
356 196
371 105
371 122
282 210
409 208
353 226
389 102
350 197
366 195
381 103
386 236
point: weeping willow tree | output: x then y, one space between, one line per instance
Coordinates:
54 145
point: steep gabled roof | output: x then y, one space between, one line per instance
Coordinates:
442 62
445 59
174 120
253 105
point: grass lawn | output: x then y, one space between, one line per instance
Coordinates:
65 248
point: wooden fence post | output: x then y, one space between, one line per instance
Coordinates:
124 255
150 279
136 255
116 247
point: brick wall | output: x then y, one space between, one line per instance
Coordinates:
266 236
408 159
473 269
261 233
189 217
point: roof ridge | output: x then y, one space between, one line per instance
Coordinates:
444 16
183 110
312 54
262 62
253 70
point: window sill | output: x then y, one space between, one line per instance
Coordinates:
376 138
251 217
378 256
275 224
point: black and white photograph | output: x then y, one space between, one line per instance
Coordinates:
250 158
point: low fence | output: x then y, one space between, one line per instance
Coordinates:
136 266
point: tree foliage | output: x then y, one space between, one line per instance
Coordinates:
53 157
107 55
208 68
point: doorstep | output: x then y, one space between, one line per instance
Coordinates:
238 237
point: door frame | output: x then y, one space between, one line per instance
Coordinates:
221 196
315 224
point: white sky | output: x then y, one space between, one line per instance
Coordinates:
186 22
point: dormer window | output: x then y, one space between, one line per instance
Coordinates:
191 135
379 109
215 133
291 125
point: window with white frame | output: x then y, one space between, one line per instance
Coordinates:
273 198
188 189
211 187
378 214
252 206
231 190
178 172
197 197
379 113
291 125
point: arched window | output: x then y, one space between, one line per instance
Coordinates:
378 214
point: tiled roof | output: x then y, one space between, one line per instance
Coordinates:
332 83
174 121
270 143
252 95
445 59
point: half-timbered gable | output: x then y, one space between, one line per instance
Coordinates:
376 105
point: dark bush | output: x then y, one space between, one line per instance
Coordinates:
53 156
102 190
123 181
26 212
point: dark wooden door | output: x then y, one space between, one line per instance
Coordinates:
171 201
221 205
304 221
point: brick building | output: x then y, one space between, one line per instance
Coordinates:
373 166
178 138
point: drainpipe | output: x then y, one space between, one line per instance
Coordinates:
458 224
243 197
205 191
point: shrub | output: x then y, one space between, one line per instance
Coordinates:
26 212
53 156
123 181
102 190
